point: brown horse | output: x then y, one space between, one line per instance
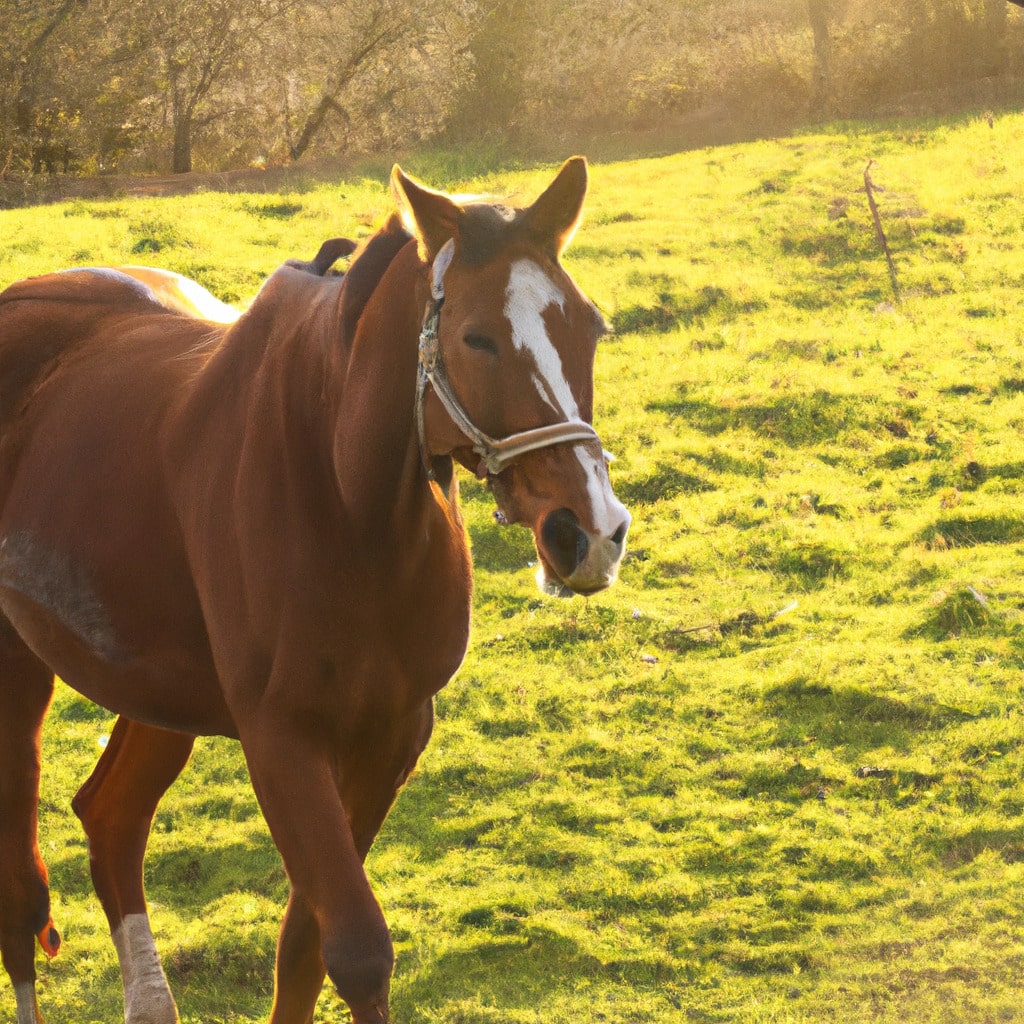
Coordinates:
252 530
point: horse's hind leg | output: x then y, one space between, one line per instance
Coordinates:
116 806
26 688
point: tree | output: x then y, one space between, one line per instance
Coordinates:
172 84
30 107
354 34
348 64
819 12
193 54
995 23
541 68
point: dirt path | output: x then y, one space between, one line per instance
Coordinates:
56 188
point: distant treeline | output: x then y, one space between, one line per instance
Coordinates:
95 86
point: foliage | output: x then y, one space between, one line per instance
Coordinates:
148 86
776 774
140 86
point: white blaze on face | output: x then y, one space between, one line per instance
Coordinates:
529 293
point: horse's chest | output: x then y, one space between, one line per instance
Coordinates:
412 611
357 649
420 636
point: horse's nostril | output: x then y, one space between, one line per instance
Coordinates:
619 536
565 543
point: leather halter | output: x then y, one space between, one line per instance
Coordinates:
495 453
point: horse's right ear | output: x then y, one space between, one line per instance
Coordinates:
431 216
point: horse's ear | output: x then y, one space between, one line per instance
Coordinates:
555 216
431 216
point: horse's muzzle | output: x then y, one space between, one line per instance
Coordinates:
574 561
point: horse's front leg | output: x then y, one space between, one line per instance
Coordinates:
292 765
116 807
368 787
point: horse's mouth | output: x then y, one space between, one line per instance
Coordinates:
553 585
550 584
570 560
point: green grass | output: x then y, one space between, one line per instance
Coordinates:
776 775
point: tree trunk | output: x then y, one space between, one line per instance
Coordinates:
313 124
181 117
819 12
181 160
995 36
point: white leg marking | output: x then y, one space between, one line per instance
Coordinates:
25 1000
529 292
147 999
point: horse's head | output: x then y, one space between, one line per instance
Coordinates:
506 378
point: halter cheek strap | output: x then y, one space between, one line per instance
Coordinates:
495 453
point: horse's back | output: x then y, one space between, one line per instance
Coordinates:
43 318
182 295
81 292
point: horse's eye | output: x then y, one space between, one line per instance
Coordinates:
481 343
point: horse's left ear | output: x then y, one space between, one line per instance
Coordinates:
432 216
555 216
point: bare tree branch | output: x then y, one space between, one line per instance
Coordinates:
869 188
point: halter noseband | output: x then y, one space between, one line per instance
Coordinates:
495 453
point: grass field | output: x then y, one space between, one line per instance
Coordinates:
776 775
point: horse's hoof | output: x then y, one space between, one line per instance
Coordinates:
49 939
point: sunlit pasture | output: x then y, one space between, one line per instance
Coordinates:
776 774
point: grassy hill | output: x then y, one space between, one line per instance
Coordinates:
777 774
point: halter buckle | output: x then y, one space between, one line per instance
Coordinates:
429 348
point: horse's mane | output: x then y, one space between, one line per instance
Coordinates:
366 270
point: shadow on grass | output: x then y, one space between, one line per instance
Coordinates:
514 972
793 419
848 716
1006 470
663 482
188 877
672 309
957 850
808 565
230 898
958 613
969 531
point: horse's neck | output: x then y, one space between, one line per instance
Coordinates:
347 403
376 443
